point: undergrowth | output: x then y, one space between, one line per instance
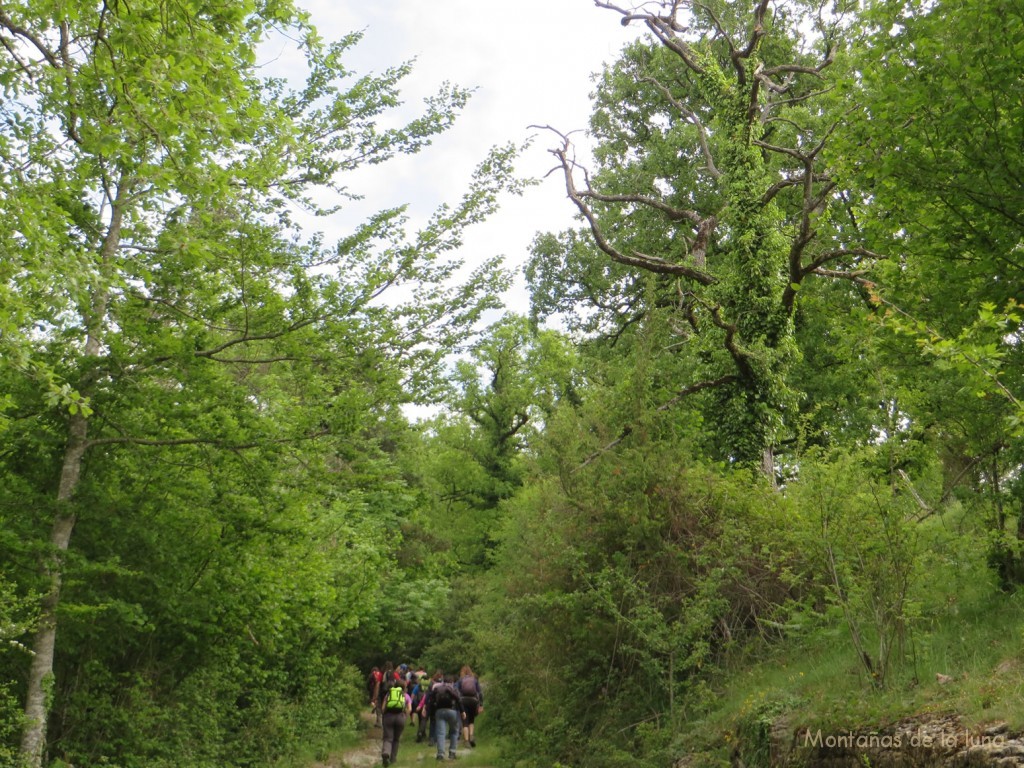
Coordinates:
962 655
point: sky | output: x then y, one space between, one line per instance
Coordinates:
529 61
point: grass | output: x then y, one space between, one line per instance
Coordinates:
486 753
343 742
966 631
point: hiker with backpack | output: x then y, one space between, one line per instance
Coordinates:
427 706
373 681
419 697
396 705
472 696
444 702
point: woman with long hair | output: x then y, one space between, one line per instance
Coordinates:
472 703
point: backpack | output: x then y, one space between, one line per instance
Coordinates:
444 697
394 699
468 686
371 681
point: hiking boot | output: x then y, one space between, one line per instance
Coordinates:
472 743
386 760
440 757
451 756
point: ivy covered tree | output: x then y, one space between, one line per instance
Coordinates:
713 200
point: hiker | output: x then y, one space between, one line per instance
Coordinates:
436 679
373 681
472 702
445 703
418 693
396 705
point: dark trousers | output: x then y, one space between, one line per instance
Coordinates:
394 724
421 725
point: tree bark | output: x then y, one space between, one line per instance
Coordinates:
33 742
768 465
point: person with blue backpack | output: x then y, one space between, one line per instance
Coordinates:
395 705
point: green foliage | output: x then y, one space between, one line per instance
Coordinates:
16 621
718 199
755 728
253 516
615 588
863 535
199 400
940 208
978 356
227 625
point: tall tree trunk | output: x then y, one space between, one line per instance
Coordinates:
37 698
33 743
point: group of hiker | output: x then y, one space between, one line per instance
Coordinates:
444 707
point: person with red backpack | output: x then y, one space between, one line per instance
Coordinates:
373 681
472 702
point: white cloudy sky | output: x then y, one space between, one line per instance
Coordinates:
530 62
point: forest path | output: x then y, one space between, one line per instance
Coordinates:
367 754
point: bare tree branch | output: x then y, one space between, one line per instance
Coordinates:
779 150
673 214
815 266
856 276
772 104
636 259
217 442
694 119
8 23
792 181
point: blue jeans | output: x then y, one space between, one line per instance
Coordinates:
447 728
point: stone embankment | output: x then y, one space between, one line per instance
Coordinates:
922 742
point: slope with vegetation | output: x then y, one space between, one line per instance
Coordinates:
751 463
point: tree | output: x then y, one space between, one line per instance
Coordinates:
150 166
502 392
714 181
934 150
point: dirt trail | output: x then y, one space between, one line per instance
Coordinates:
367 754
